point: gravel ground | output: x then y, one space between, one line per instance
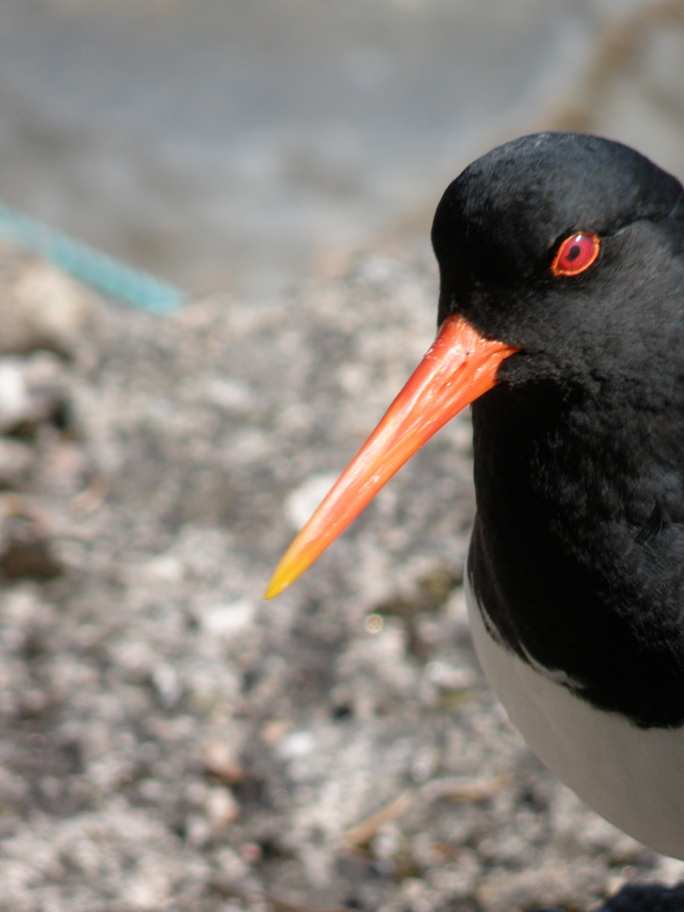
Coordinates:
170 741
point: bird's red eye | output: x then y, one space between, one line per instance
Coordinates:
576 253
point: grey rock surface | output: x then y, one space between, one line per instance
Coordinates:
170 741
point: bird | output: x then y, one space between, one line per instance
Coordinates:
561 325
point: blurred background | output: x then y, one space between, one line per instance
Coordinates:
231 144
167 740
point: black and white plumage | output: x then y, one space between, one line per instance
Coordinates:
561 319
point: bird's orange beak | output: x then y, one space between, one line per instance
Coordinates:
459 366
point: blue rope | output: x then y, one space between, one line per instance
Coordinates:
100 271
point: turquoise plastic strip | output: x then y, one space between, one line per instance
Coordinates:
102 272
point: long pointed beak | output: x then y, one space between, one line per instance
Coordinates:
459 367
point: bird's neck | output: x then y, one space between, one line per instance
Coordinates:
577 550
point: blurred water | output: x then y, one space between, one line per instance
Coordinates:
231 143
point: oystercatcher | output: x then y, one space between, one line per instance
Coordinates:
561 319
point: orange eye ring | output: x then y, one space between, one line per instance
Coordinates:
576 253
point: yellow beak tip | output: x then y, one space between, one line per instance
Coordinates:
290 568
274 588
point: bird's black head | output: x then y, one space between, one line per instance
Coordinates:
570 249
499 234
561 270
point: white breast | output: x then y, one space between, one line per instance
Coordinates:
633 777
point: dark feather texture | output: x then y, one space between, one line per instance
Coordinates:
578 549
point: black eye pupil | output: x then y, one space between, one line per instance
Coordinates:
573 253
